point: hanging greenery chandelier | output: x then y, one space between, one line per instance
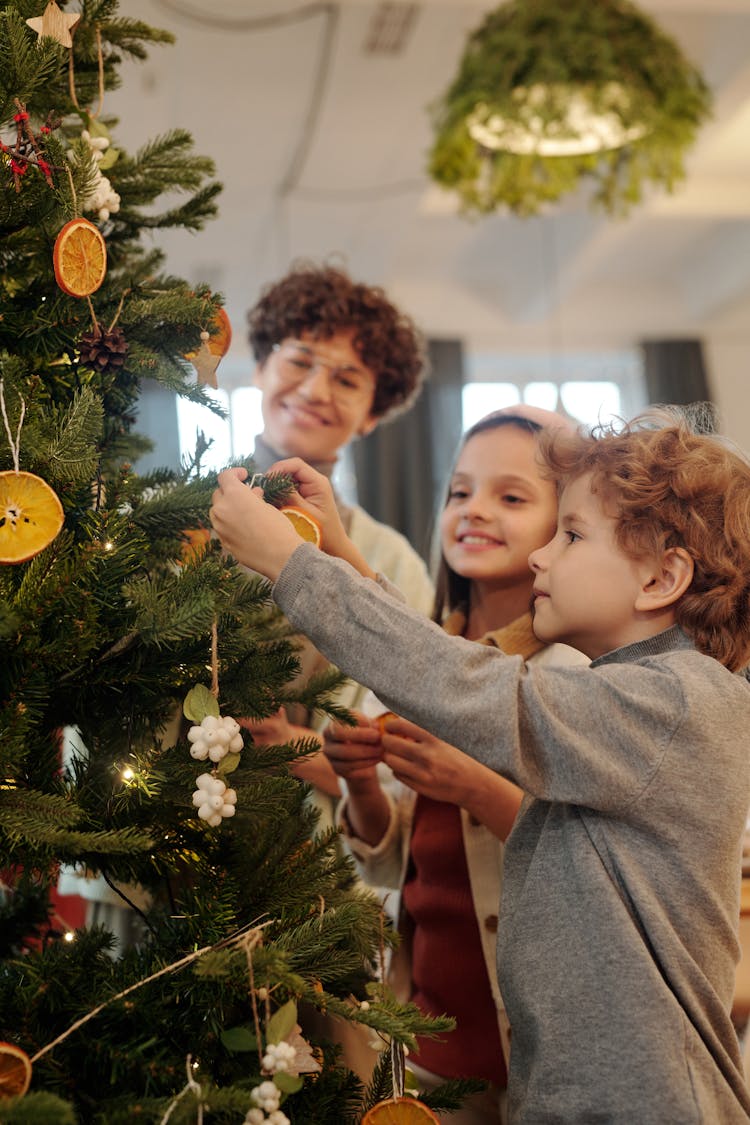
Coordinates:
552 93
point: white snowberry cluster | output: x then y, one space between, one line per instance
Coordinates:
103 198
213 800
266 1098
278 1056
215 737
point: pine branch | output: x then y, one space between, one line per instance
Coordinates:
70 453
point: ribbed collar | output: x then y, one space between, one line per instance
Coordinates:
670 640
264 456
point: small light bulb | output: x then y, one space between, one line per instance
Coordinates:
69 936
109 545
127 774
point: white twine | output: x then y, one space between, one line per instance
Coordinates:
398 1069
191 1085
15 446
236 939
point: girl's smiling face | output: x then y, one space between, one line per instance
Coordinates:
499 509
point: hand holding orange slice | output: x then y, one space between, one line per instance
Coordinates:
31 516
400 1111
303 523
15 1071
381 720
79 258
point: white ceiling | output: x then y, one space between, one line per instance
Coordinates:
343 173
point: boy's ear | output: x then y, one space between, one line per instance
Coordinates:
667 580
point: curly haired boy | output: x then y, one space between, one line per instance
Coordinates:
618 929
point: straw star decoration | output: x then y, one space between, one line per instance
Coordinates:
55 24
205 364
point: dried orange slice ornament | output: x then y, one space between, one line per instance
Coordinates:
15 1071
400 1111
196 541
31 516
218 341
381 720
79 258
303 523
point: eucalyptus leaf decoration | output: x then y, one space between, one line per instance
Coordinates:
550 53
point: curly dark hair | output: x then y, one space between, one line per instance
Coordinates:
669 486
323 300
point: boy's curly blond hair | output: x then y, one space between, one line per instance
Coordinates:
669 485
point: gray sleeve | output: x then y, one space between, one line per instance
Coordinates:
570 734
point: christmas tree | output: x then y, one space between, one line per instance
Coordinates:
128 642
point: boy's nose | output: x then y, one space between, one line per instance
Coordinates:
536 559
316 386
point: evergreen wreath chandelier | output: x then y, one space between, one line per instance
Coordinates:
552 93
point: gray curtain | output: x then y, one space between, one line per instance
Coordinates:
675 372
401 467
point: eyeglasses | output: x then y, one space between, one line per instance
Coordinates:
297 362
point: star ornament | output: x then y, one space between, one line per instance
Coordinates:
205 364
55 24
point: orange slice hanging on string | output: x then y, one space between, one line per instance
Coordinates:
31 516
218 341
15 1071
400 1111
196 539
303 523
79 258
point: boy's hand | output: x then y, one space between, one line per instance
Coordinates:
254 532
314 494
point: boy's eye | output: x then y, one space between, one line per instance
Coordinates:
572 536
457 494
510 498
345 380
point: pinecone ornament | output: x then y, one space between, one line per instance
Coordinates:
103 350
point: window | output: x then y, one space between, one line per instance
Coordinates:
231 437
590 387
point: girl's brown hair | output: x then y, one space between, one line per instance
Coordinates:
668 485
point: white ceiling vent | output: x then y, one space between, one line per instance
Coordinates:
389 29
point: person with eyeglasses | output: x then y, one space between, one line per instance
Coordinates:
334 359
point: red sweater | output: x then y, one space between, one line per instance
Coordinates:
448 968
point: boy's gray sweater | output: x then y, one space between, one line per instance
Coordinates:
618 930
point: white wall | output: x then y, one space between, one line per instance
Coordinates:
728 363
